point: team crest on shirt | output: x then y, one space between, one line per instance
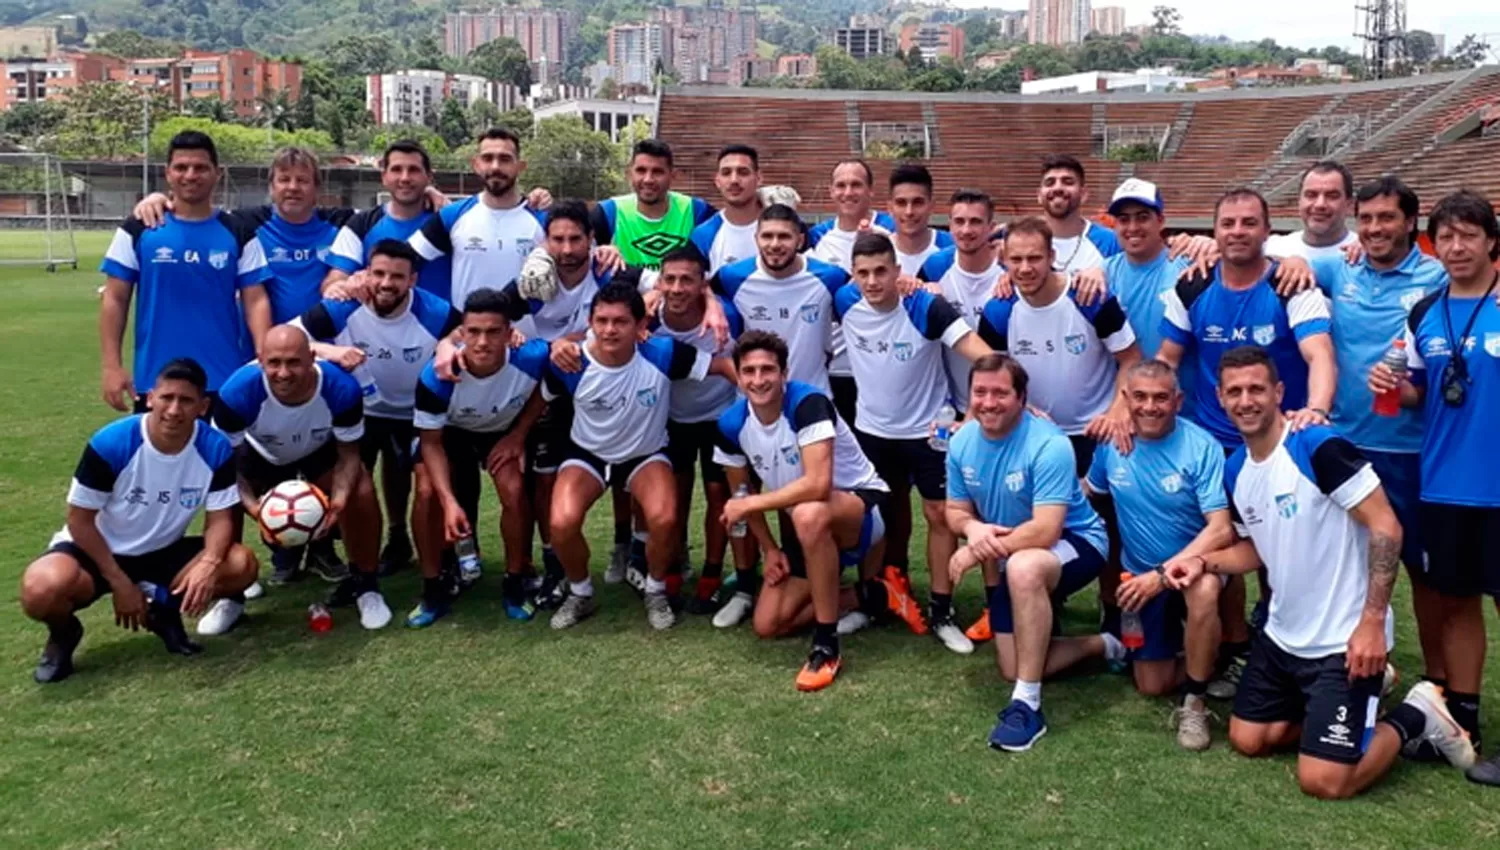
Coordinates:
1410 299
516 401
190 497
1015 481
1492 343
810 313
524 246
1075 343
218 259
902 351
320 434
646 397
1264 334
1171 483
791 455
1286 505
411 353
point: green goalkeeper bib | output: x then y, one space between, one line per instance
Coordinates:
643 242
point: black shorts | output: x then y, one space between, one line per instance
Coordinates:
1463 549
263 474
690 442
1337 715
160 567
845 396
902 462
391 437
463 448
616 476
550 440
871 532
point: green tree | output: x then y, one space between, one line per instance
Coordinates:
519 121
103 121
608 89
573 161
275 108
129 44
1469 51
236 143
1006 78
945 76
359 55
1166 20
1100 53
979 30
425 52
1421 47
453 122
28 122
483 114
213 108
502 59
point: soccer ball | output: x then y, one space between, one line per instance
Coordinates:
291 512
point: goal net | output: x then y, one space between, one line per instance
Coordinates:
38 202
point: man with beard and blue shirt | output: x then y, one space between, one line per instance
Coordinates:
406 173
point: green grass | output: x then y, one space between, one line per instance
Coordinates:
481 732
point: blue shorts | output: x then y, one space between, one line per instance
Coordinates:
871 531
1400 476
1081 564
1162 623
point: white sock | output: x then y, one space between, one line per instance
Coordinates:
639 536
655 585
1029 693
582 588
1113 649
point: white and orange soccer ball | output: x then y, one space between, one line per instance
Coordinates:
291 513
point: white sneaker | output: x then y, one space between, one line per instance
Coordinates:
734 611
1443 731
254 591
952 636
615 572
854 621
373 612
574 610
659 611
221 617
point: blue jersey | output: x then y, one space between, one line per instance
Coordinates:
1460 465
246 411
1006 479
1141 290
1369 309
297 256
362 232
1205 316
187 276
1163 490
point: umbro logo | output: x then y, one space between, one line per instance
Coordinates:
658 245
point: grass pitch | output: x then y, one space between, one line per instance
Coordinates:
484 733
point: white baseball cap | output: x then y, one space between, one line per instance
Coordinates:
1137 191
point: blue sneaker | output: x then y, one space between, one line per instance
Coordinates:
1019 727
523 610
425 614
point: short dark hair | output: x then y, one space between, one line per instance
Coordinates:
488 301
740 150
652 147
500 134
913 175
620 293
780 212
998 362
185 369
869 175
1330 166
1064 162
760 341
1391 186
973 196
872 244
688 253
1240 193
396 250
1466 207
407 146
569 209
1245 356
193 140
1033 224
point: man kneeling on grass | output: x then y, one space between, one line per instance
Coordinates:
823 490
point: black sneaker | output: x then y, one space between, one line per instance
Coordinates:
551 594
347 591
324 562
1486 772
56 662
286 566
166 623
396 555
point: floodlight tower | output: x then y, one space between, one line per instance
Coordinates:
1382 27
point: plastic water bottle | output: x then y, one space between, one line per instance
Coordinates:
468 560
947 417
1132 632
319 618
1388 403
366 380
742 527
157 594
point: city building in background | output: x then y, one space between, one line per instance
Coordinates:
607 116
241 78
543 33
933 40
1108 20
27 42
1140 81
866 35
1058 22
408 97
636 50
799 66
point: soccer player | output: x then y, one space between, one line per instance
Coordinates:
692 428
652 220
1014 494
787 294
139 484
1169 498
1302 497
289 417
1370 302
620 407
729 234
385 344
825 494
965 274
1453 352
189 277
480 421
1079 243
1323 204
911 208
487 235
895 348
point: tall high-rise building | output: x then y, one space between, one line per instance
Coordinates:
708 41
866 35
935 41
1108 20
543 33
636 49
1058 22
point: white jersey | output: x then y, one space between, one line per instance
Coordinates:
248 412
1294 244
774 451
396 347
487 245
829 244
567 312
145 497
937 241
967 293
701 401
798 308
1089 250
620 412
723 243
897 357
1068 350
482 405
1294 506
